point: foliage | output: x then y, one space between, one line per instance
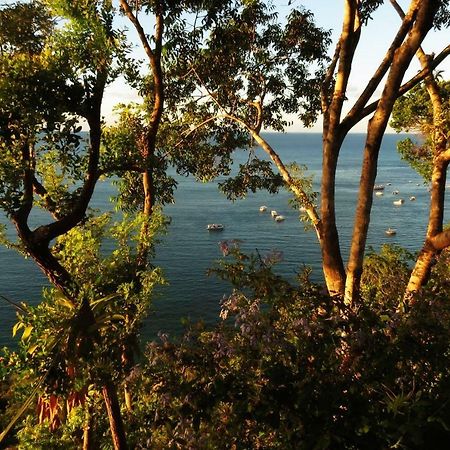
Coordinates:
381 285
414 112
289 368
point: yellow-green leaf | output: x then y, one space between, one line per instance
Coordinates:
27 332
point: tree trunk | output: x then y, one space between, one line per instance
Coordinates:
332 263
376 128
422 269
87 431
115 416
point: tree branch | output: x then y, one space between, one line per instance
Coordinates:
384 66
349 122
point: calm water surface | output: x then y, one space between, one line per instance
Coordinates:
189 250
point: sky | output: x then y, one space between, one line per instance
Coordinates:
375 40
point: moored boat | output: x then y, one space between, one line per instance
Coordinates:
391 231
262 208
214 227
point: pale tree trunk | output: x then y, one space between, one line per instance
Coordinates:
427 256
424 12
422 268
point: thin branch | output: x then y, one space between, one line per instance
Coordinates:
326 85
350 122
209 92
384 66
193 130
141 33
16 305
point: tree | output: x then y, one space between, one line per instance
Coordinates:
270 75
425 109
54 75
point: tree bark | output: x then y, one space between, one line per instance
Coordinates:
424 12
422 269
87 431
114 415
332 263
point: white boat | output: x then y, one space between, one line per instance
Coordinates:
214 227
279 218
399 202
273 213
412 198
262 208
378 193
395 192
391 231
378 187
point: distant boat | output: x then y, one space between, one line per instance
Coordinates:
391 231
399 202
388 184
378 187
273 213
279 218
395 192
262 208
378 193
412 198
215 227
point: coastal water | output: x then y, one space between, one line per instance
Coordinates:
188 250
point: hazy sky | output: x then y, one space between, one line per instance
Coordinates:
375 40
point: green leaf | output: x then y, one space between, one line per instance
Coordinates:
27 332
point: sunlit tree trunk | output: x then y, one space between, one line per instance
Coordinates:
422 268
333 136
424 12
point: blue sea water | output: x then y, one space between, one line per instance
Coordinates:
189 250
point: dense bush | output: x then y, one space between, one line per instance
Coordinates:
288 368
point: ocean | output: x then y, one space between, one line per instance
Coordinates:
189 250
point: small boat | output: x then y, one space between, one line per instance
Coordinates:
279 218
378 193
273 213
399 202
391 231
412 198
262 208
378 187
388 184
215 227
395 192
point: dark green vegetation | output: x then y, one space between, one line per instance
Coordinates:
362 362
